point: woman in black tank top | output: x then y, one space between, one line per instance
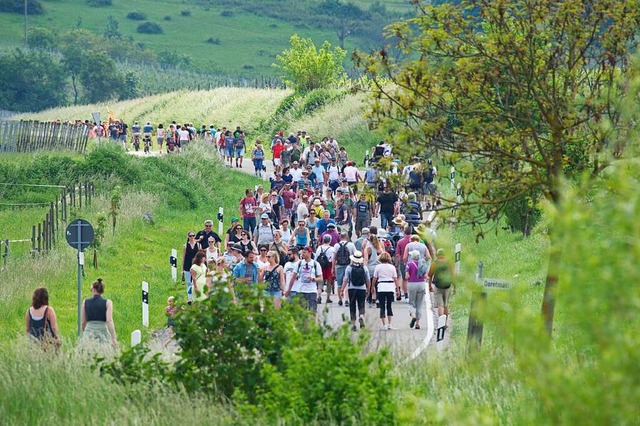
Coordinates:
40 320
97 317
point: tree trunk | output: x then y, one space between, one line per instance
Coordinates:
75 89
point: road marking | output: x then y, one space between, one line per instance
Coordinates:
427 339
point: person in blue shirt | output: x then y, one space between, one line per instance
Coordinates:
318 171
324 222
246 272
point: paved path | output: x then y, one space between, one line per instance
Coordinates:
403 342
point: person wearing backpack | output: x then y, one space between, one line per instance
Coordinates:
442 274
341 259
357 278
324 256
415 276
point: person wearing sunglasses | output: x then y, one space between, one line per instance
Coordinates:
232 235
262 260
206 234
189 251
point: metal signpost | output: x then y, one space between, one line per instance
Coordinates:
79 235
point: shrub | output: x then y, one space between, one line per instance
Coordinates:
185 12
42 38
265 360
227 13
149 28
34 7
99 3
522 213
136 15
168 17
213 40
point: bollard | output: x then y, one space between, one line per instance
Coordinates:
479 273
453 177
220 220
457 258
173 260
136 338
145 304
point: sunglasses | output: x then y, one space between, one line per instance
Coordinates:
191 235
212 241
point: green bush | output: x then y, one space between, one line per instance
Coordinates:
136 15
522 213
185 12
34 7
213 40
99 3
273 364
149 28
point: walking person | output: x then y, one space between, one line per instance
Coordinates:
189 251
273 275
97 317
442 274
324 256
257 156
359 284
300 237
385 278
415 276
341 259
309 273
41 321
198 273
362 211
248 208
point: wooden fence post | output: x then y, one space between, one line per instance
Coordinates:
64 204
33 241
80 195
39 238
52 225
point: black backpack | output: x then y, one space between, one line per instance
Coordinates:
358 277
323 260
342 255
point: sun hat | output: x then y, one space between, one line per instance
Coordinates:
317 202
398 220
382 233
365 230
357 257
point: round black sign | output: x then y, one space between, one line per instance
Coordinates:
79 234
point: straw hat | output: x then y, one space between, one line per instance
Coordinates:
357 257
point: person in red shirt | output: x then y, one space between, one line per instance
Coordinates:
248 206
277 152
400 265
288 196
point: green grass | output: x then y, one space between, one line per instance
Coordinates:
248 42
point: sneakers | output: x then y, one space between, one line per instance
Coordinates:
390 327
329 301
354 328
383 327
361 323
346 303
413 322
319 301
339 302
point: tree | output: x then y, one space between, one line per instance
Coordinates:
305 68
517 93
31 81
346 18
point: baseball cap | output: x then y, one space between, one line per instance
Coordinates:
264 216
365 230
234 219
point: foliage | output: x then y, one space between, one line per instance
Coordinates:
266 359
305 68
174 58
131 86
185 12
522 213
34 7
116 199
99 3
149 28
515 97
41 38
213 40
345 19
30 81
112 28
136 15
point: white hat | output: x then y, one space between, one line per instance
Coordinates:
357 257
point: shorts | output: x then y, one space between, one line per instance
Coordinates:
276 162
275 294
239 152
230 151
160 141
442 296
123 138
402 268
327 274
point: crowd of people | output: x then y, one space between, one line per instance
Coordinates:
307 232
310 231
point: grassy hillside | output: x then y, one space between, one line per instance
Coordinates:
252 109
245 36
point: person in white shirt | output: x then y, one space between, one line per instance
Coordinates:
295 172
183 135
310 273
289 268
385 281
352 175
